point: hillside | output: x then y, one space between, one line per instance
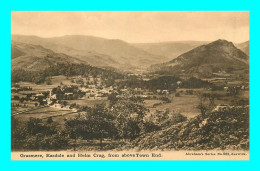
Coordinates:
96 51
244 47
225 129
35 57
218 56
169 49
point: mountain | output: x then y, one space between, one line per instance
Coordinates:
244 47
218 56
169 49
35 57
96 51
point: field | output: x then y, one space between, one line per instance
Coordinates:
55 82
46 112
88 102
185 105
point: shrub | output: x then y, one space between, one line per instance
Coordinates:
177 95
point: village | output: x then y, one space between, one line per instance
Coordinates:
71 94
90 89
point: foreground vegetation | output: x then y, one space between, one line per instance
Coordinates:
108 110
219 130
124 126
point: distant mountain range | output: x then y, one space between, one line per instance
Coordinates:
244 47
175 48
36 53
169 49
217 56
96 51
35 57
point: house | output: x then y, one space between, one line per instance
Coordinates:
179 82
144 96
14 90
123 90
52 96
99 95
220 107
39 96
165 92
134 115
226 88
49 102
70 95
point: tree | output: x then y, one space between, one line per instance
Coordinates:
73 129
202 106
48 81
112 98
129 113
233 91
16 97
96 123
36 135
49 120
22 100
203 109
177 94
206 102
64 103
101 122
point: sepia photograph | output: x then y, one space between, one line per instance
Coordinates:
130 85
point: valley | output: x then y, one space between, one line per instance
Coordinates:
89 93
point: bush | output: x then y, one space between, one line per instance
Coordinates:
189 92
165 99
177 118
49 120
150 127
177 95
48 81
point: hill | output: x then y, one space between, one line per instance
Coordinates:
169 49
217 56
244 47
219 130
96 51
35 57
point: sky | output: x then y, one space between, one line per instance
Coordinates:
135 26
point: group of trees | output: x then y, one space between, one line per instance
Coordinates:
96 123
121 121
61 91
67 69
37 135
162 83
195 83
30 76
166 83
